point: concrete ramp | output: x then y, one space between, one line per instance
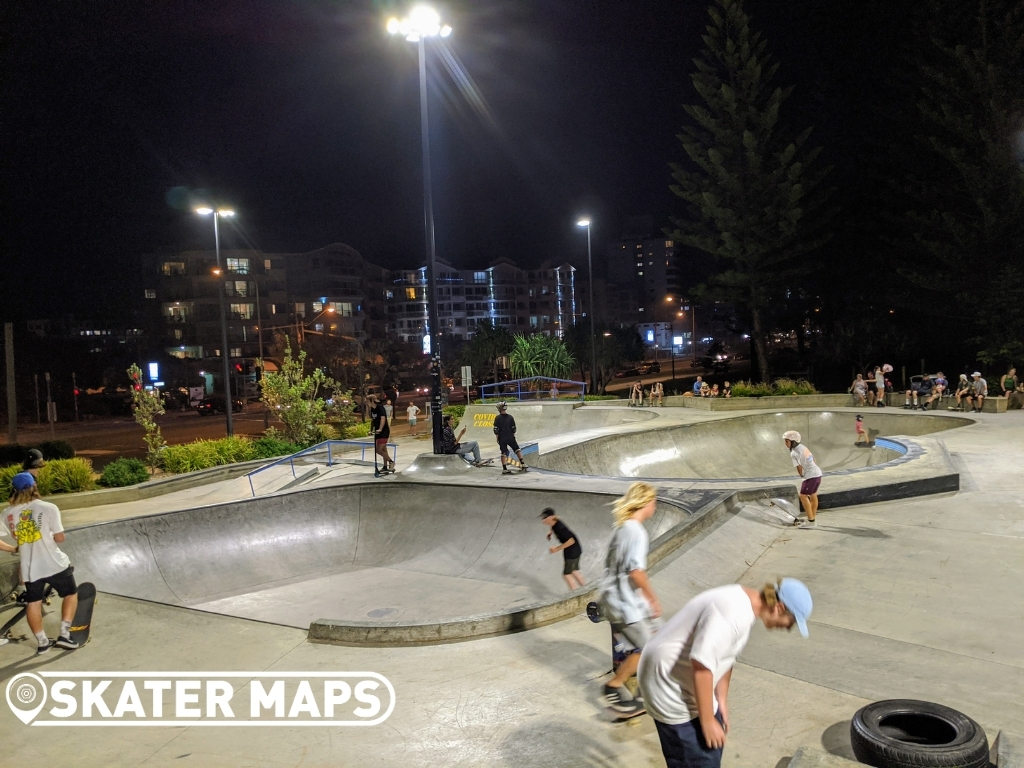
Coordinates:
742 447
547 419
380 553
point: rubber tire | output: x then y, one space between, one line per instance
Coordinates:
969 748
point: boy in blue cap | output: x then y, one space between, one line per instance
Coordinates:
37 530
685 669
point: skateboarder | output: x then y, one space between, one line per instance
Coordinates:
862 435
381 431
626 596
803 460
569 547
505 429
450 443
37 530
685 670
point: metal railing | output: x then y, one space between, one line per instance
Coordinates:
329 446
533 388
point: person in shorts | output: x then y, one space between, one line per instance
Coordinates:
862 435
412 412
803 460
685 670
626 596
569 546
381 431
37 530
979 392
450 442
727 390
505 430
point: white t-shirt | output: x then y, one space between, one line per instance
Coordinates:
879 380
627 552
802 457
412 411
33 525
711 629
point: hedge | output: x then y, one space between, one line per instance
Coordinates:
124 472
58 476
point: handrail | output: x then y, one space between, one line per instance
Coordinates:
538 393
313 448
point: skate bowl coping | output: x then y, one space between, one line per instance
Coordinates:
536 420
387 563
749 447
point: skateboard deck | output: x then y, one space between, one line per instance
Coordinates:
82 623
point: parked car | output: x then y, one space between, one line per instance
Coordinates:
646 368
209 406
627 373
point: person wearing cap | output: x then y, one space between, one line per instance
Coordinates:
686 668
569 546
803 460
505 430
979 392
37 530
862 435
381 431
920 391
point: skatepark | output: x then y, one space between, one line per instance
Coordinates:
440 579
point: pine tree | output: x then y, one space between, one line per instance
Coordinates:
753 196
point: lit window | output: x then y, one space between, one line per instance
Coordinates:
171 268
150 293
266 264
177 333
273 309
669 243
242 311
241 266
318 306
343 308
640 273
389 294
236 352
410 293
479 277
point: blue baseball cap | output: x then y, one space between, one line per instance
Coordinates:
797 598
22 481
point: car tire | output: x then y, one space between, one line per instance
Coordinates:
903 733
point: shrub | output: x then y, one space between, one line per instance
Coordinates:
270 447
66 476
56 449
189 457
361 429
6 476
589 398
124 472
455 411
231 450
778 387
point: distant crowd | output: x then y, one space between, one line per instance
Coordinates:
927 391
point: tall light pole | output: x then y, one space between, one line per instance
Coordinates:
224 352
421 23
593 343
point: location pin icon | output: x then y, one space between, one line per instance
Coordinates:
23 691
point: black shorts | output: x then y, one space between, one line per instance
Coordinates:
63 583
571 564
504 443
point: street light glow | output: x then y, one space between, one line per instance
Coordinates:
583 223
225 212
422 22
204 211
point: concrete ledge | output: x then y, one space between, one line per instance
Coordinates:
808 757
153 488
944 483
772 403
1008 750
388 634
434 465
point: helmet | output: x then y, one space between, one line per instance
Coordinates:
791 435
502 406
34 459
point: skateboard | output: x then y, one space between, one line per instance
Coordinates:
82 622
19 598
618 656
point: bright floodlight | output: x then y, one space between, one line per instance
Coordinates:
225 212
583 223
204 211
422 21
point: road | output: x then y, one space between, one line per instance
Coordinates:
684 374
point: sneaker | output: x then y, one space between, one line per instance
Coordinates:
523 467
808 525
506 471
4 641
65 641
619 699
44 648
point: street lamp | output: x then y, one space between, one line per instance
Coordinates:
421 23
217 215
593 346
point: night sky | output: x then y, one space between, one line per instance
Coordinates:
304 117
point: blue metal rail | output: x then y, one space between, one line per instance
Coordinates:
327 444
514 390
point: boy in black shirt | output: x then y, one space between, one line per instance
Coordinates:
570 548
505 429
381 431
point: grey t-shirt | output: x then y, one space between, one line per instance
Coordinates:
980 387
627 551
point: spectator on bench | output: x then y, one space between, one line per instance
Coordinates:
1009 382
939 385
963 392
859 390
980 387
920 391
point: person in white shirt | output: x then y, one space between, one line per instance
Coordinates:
803 460
37 530
686 668
625 594
412 412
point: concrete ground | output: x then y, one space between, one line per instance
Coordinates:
913 599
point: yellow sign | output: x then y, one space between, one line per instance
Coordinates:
483 419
